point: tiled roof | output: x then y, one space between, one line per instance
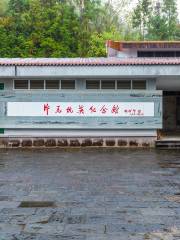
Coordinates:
111 61
120 45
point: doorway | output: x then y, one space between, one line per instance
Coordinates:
171 112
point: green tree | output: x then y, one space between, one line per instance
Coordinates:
61 28
141 15
17 6
3 7
53 29
171 16
157 29
88 12
98 42
163 23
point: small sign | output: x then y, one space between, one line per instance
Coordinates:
1 86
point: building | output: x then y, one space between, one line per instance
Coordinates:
128 99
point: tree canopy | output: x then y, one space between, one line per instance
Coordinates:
80 28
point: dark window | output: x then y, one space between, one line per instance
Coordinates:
20 84
137 84
67 84
146 54
164 54
177 54
92 84
123 84
52 84
157 53
37 84
107 84
1 86
1 130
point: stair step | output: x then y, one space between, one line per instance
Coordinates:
170 144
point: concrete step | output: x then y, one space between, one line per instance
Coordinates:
168 144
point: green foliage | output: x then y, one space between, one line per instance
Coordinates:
51 28
98 40
74 28
141 16
3 7
156 22
157 29
170 13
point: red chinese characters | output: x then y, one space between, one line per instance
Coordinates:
92 109
58 109
46 108
115 109
69 109
103 110
81 110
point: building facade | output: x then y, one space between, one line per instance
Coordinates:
123 100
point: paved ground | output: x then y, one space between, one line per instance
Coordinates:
97 195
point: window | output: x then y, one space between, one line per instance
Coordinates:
164 54
36 84
92 84
1 130
52 84
1 86
124 84
116 84
43 84
138 84
67 84
158 53
20 84
177 54
146 54
106 84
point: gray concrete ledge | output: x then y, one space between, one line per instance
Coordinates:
57 142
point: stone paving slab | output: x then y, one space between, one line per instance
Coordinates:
97 195
51 228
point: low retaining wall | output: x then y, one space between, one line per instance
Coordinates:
57 142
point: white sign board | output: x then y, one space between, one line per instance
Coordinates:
80 109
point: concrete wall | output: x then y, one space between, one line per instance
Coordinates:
80 83
57 142
127 53
104 126
81 122
118 133
151 71
99 71
168 83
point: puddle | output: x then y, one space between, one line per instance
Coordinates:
175 198
76 220
170 164
36 204
57 217
5 198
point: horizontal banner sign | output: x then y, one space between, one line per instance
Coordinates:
80 109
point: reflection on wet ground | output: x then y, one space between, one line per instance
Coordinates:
89 194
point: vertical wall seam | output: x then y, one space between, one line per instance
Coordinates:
15 71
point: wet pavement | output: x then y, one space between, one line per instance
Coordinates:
89 195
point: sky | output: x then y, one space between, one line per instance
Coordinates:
134 2
178 3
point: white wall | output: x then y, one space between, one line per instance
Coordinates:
168 83
127 53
